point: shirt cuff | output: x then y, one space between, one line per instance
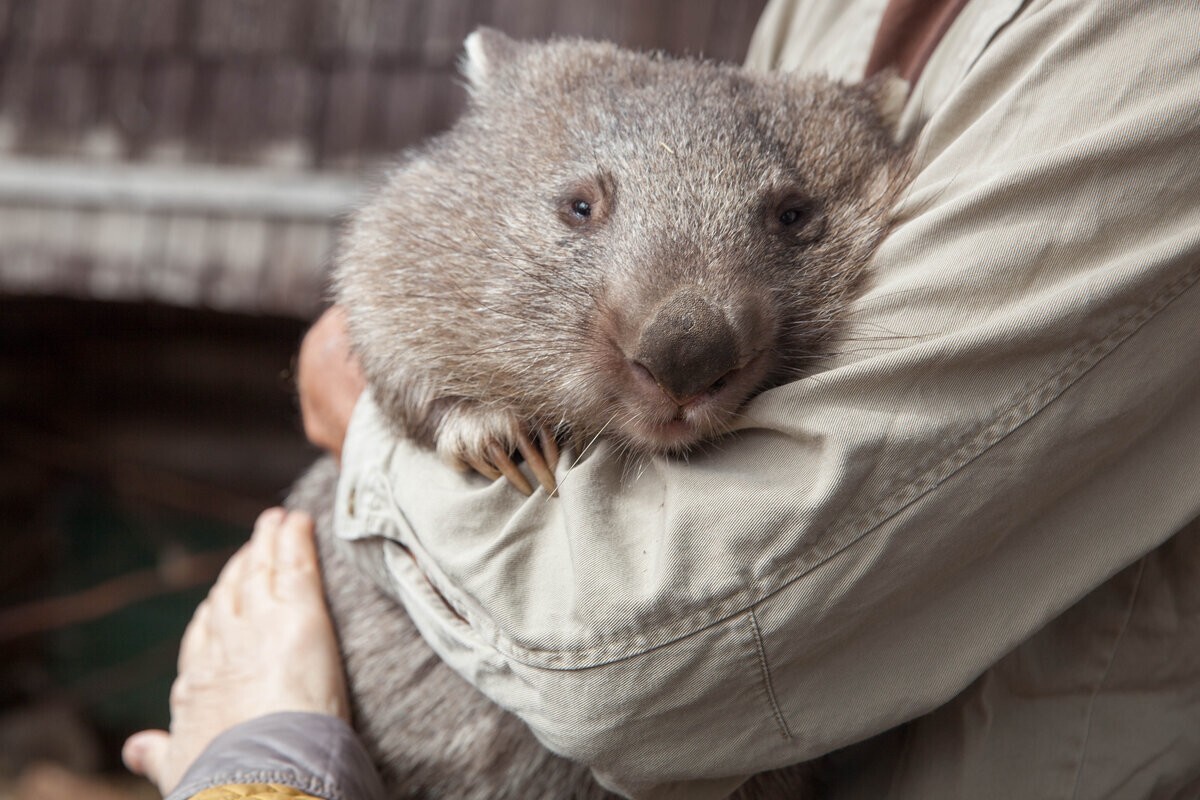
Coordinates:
317 754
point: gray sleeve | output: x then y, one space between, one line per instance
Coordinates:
316 753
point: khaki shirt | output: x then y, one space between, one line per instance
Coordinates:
1012 426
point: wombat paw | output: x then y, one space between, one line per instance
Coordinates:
474 437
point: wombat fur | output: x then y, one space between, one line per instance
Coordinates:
618 242
606 243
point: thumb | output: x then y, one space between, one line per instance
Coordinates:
145 753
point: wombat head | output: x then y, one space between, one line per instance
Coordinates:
619 242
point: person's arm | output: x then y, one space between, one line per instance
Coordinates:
259 708
1015 417
283 754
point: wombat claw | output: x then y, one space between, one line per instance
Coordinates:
542 461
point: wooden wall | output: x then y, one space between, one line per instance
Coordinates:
113 113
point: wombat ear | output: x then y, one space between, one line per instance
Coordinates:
486 51
889 92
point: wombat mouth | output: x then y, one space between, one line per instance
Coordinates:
659 422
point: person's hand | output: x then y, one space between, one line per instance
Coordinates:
261 642
328 380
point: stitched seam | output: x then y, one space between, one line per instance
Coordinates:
1112 656
766 677
1033 398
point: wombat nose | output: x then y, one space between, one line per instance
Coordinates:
687 346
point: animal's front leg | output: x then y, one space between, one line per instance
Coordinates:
473 436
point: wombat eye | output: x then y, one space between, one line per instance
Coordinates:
797 216
790 216
585 204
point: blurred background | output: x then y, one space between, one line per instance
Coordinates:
172 177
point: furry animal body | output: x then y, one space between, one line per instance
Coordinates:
614 242
607 243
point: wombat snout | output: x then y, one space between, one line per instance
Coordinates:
687 346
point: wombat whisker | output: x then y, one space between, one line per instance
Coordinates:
521 347
583 451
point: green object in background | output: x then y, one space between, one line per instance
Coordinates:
120 665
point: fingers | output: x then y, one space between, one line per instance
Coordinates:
145 753
297 574
262 555
249 572
282 558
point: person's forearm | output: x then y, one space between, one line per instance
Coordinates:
314 755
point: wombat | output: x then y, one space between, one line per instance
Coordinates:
613 242
607 243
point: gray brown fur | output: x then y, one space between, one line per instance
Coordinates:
480 306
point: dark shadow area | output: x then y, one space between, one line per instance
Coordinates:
138 443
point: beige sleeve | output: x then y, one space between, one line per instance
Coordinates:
1014 418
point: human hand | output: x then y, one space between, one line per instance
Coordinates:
329 380
261 642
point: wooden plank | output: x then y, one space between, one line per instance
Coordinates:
251 27
588 19
343 129
732 28
56 24
177 275
43 183
119 249
168 92
691 28
57 102
117 27
254 106
362 29
300 255
238 260
447 25
523 19
407 107
6 23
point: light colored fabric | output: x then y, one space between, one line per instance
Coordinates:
1014 419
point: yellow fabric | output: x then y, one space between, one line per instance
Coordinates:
255 791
